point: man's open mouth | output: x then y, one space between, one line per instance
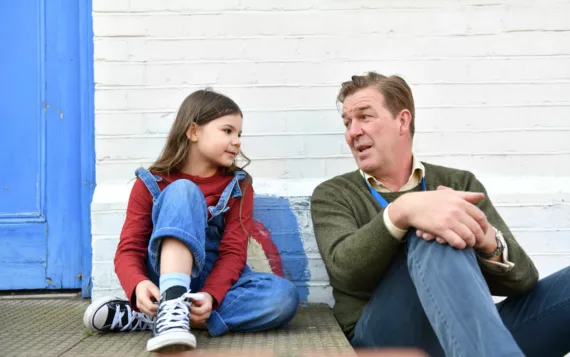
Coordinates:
362 148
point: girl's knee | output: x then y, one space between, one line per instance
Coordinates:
285 300
181 188
290 293
180 198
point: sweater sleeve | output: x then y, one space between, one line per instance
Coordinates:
132 251
355 256
523 276
232 252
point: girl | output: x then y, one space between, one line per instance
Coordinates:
186 230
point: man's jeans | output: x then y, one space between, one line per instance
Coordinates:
434 297
257 301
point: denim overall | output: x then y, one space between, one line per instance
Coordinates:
257 301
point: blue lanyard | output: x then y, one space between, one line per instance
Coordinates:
381 199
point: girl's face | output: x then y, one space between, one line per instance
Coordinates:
217 142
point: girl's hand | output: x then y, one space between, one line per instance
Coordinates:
146 291
201 310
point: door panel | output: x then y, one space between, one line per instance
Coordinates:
42 202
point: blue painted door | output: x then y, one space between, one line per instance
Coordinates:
44 220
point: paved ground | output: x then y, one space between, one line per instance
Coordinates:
54 327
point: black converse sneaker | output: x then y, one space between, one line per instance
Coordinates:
111 314
171 331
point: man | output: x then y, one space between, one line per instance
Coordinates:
414 251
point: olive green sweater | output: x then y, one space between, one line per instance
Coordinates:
357 247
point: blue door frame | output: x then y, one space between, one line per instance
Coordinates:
45 223
87 137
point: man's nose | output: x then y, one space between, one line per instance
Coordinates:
355 129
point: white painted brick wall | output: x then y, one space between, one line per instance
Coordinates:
491 81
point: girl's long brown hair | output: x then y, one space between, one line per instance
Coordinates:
200 107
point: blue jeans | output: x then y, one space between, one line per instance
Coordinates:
257 301
435 298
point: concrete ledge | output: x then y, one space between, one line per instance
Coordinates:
114 190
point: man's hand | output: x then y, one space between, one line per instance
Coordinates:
487 245
146 291
201 310
449 215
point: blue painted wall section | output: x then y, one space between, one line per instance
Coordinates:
278 217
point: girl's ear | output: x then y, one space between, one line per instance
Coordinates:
192 132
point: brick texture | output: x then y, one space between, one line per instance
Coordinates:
491 81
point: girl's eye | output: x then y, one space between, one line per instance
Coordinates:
228 131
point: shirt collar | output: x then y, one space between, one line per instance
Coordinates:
418 173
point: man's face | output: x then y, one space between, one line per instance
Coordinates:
372 132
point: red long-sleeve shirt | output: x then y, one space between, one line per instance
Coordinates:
132 251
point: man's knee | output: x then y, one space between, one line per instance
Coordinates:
436 257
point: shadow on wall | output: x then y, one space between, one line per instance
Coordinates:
275 244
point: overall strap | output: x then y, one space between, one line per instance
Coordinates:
232 190
150 181
238 176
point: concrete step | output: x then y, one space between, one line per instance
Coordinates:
54 327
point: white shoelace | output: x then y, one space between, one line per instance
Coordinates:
142 321
176 312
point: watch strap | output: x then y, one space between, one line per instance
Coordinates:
496 252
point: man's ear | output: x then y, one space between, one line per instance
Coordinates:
404 119
192 132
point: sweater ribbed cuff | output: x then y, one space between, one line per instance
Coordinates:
394 231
